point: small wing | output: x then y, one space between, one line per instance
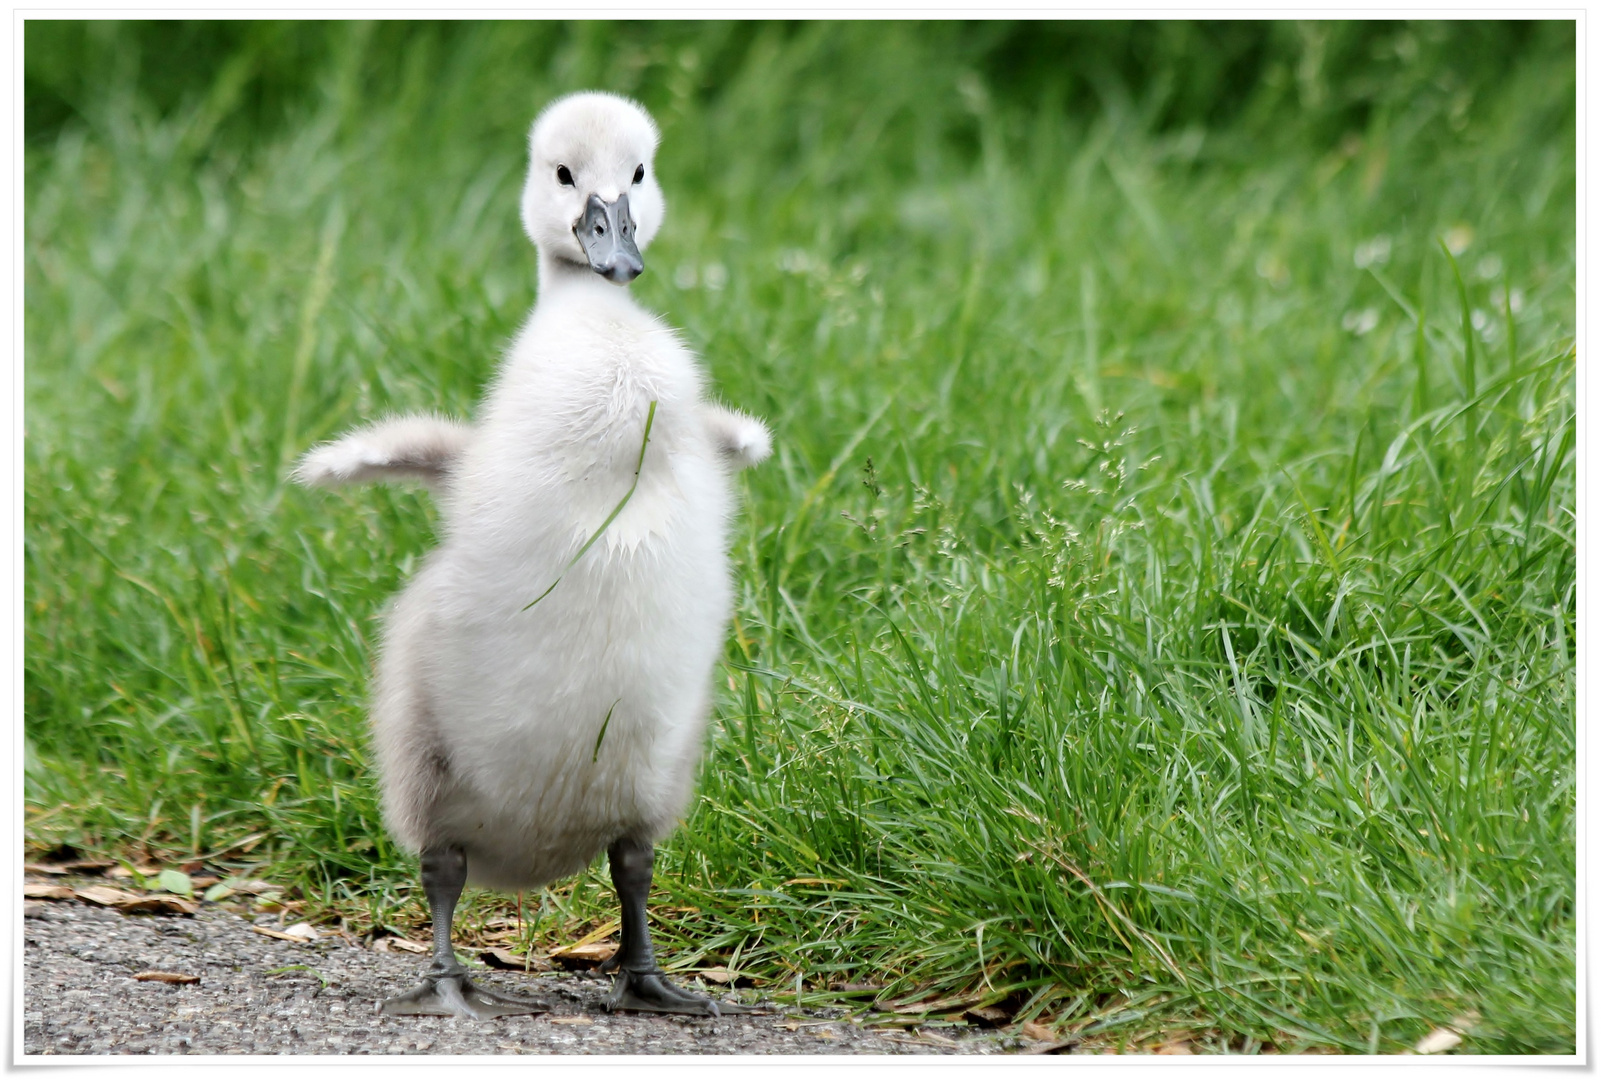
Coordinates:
742 439
422 448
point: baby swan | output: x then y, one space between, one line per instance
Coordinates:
544 682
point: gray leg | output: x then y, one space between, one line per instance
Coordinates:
639 984
446 989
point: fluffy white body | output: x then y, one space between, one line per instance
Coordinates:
534 737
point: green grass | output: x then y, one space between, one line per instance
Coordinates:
1159 610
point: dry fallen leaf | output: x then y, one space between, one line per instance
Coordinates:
580 951
939 1005
586 955
253 887
1448 1037
989 1015
1438 1041
1061 1046
47 892
506 960
300 933
399 944
1046 1041
105 895
125 872
1033 1029
571 1020
165 905
173 977
719 975
1177 1045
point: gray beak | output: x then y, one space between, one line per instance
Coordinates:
606 233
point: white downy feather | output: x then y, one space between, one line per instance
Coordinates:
487 718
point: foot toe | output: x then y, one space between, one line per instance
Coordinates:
456 995
649 991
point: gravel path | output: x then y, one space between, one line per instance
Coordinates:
260 995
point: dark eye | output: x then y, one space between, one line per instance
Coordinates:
639 174
564 175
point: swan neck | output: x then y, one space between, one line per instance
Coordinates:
563 276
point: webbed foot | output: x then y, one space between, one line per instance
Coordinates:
649 991
457 995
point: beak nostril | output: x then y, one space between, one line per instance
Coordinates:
606 234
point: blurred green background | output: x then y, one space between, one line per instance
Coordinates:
1156 620
1321 79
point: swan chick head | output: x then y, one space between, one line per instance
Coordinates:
591 199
